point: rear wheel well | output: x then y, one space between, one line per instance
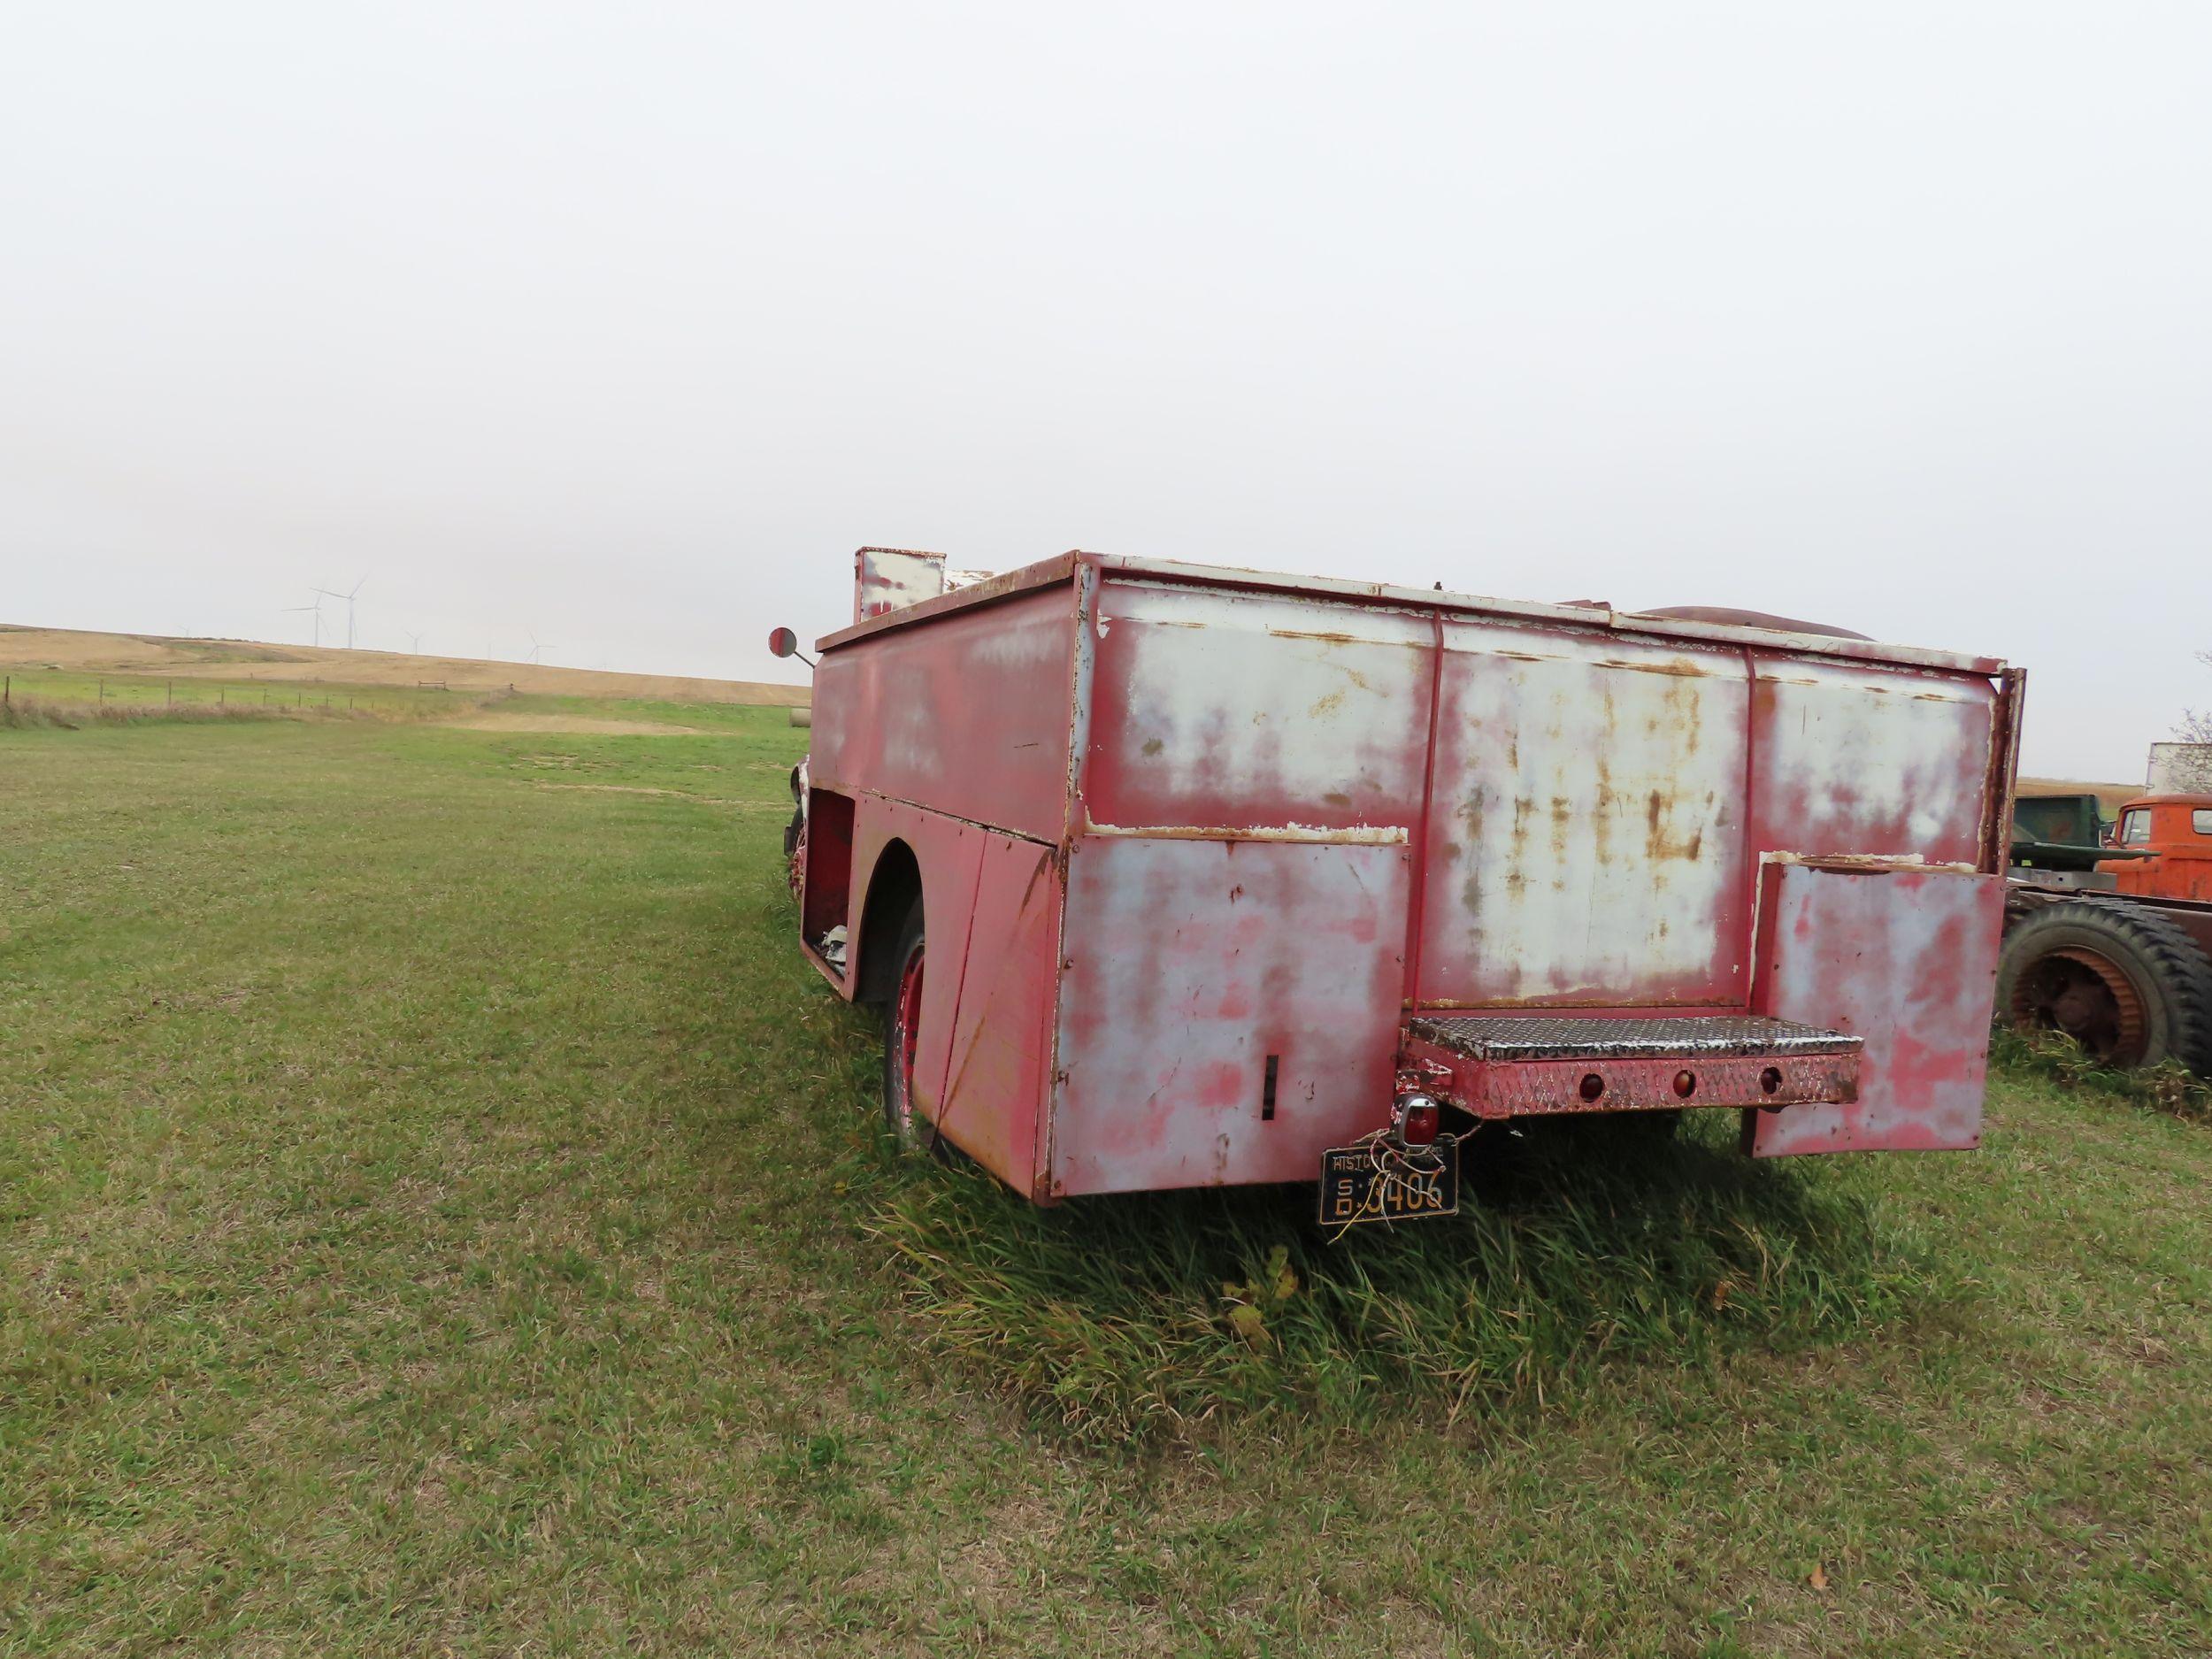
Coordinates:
893 884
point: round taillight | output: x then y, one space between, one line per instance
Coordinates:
1593 1086
1685 1083
1419 1117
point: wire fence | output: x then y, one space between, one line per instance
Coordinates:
111 696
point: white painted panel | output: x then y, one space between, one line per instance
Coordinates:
1586 843
891 579
1851 760
1189 962
1241 711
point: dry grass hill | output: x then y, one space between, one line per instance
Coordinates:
78 651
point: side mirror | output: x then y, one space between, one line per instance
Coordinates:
783 642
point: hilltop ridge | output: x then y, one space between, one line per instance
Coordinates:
186 657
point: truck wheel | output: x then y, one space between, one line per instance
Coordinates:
796 828
2121 980
902 1037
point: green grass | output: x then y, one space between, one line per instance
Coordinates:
703 717
438 1211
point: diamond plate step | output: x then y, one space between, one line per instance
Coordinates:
1511 1037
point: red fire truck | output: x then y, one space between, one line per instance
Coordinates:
1167 875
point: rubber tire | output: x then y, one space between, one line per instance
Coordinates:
797 827
913 1133
2164 965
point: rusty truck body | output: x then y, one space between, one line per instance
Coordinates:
1170 875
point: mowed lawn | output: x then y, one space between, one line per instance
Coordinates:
439 1213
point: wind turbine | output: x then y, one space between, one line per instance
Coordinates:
328 593
318 609
534 645
414 644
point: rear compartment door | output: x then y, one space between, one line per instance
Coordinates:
1585 838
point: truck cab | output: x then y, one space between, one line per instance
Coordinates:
2168 839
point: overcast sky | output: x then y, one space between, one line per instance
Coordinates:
623 325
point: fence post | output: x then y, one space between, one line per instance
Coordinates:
219 695
173 694
7 692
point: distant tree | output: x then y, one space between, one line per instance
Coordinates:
2196 726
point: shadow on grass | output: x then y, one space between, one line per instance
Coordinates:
1153 1317
1147 1316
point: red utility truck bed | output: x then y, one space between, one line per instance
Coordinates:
1216 866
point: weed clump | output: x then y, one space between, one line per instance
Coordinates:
2167 1086
1148 1317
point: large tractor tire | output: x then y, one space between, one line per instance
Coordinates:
2121 980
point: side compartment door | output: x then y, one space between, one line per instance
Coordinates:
1903 957
1229 1009
998 1069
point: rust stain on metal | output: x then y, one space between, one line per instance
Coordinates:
1351 835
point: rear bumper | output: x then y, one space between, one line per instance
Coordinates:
1494 1066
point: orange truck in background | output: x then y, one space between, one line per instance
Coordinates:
2170 839
2115 950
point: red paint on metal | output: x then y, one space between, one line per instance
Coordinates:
1871 761
1417 908
1161 1090
948 854
1904 958
1494 1089
968 716
1001 1045
1171 822
2001 783
906 1017
973 596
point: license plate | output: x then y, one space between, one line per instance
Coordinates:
1379 1183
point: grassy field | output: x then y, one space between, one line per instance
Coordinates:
76 695
440 1213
